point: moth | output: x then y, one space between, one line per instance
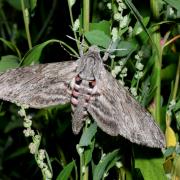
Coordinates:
91 89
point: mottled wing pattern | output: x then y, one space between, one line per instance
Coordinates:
39 85
116 112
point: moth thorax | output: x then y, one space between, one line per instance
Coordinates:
87 73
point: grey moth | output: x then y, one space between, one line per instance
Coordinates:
91 89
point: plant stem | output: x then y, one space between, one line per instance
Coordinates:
156 37
86 12
72 23
176 85
26 23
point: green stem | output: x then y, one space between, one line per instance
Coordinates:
72 23
176 85
86 13
156 37
26 23
2 14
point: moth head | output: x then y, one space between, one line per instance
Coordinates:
94 49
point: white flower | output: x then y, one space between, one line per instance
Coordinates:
83 169
27 123
133 91
119 164
114 34
32 148
76 25
139 66
109 5
22 112
41 154
139 75
124 21
80 150
117 16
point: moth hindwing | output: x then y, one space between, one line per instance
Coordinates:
90 89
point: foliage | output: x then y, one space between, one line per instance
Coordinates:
143 56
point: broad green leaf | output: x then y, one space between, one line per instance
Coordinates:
99 38
88 134
66 172
126 48
8 62
169 72
101 26
151 168
33 55
30 4
105 164
174 3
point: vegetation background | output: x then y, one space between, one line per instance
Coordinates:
31 32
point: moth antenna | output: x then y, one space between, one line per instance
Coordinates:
111 49
82 44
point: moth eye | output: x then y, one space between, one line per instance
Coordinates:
78 80
92 84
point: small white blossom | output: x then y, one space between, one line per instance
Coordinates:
117 16
105 174
109 5
171 11
139 75
124 71
133 91
139 30
114 34
124 21
47 173
119 164
32 148
83 169
130 30
27 123
80 149
41 154
76 25
139 66
22 112
122 5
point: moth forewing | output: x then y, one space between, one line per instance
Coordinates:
38 86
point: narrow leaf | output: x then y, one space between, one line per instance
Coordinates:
66 172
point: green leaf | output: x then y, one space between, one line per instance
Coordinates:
128 47
33 55
8 62
30 4
99 38
88 153
88 134
11 46
138 28
169 72
66 172
151 168
174 3
105 164
101 26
